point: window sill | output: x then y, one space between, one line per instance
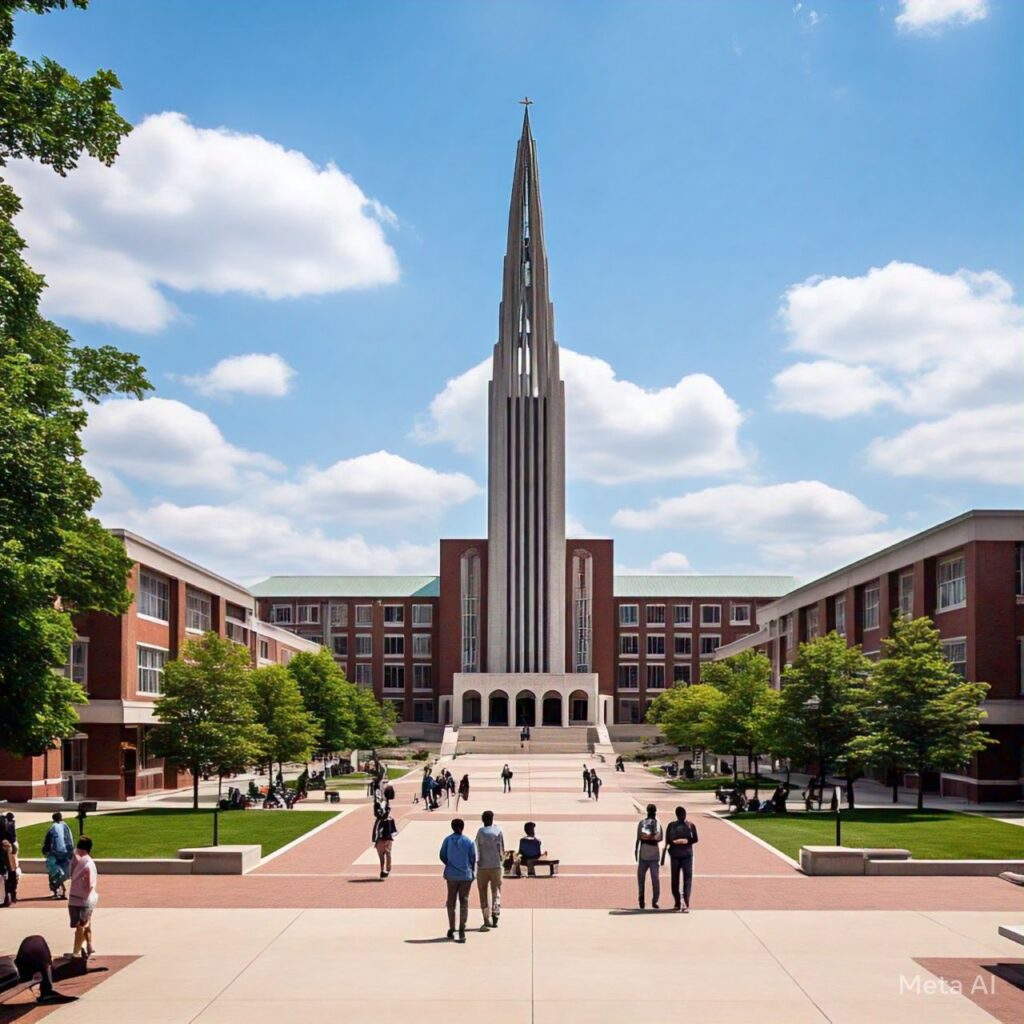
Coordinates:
951 608
153 618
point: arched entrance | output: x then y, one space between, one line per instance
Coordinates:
551 709
526 709
579 707
471 707
497 708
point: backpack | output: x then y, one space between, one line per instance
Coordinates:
649 830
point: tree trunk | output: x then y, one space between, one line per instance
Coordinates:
735 775
757 776
195 787
822 775
849 792
895 786
920 788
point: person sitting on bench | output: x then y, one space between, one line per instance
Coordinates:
531 850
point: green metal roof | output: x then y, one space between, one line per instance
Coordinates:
347 586
704 586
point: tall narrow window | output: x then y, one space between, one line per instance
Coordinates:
841 615
471 611
582 618
907 595
952 583
871 604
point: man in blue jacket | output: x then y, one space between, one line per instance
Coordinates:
458 855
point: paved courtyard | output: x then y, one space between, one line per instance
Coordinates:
314 934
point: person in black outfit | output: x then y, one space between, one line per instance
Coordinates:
680 837
34 957
586 780
10 830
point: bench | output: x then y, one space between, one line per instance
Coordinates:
332 796
544 862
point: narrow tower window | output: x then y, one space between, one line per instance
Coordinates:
470 611
582 619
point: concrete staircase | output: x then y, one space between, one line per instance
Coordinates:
497 739
603 744
450 741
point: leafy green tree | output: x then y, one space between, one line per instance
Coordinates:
922 714
683 714
328 697
207 719
374 719
280 710
821 709
55 559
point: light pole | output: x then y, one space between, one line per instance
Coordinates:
812 704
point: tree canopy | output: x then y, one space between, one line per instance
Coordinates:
291 729
55 558
326 694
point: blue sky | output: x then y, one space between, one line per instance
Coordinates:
784 242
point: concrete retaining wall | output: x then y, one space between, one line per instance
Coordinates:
845 860
207 860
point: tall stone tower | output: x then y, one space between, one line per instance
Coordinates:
526 437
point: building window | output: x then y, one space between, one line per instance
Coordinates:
340 645
629 644
399 706
629 614
198 610
265 650
364 645
364 614
422 677
629 712
655 645
394 677
364 673
394 646
655 677
683 645
151 669
421 647
682 614
308 614
629 677
681 675
422 710
739 615
906 593
655 615
470 580
710 614
339 615
281 614
1019 553
841 615
154 596
871 599
422 615
77 667
952 583
394 615
582 625
709 644
812 623
955 652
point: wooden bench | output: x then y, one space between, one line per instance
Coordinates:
544 862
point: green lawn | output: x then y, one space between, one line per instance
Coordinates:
161 832
928 835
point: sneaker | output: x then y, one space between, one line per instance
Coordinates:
462 935
641 905
494 921
686 910
654 906
451 933
383 874
485 927
678 906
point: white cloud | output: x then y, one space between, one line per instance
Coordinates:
373 487
830 389
670 561
247 544
929 15
253 374
805 527
984 444
196 209
616 430
168 442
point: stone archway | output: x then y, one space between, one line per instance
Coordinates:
526 708
497 708
579 707
551 708
472 707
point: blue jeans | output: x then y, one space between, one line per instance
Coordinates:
642 868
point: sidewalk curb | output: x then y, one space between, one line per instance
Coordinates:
760 842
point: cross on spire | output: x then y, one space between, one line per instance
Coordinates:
526 102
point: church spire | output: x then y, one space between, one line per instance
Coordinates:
526 471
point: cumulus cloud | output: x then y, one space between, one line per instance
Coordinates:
804 527
831 390
196 209
253 374
930 15
168 442
616 430
377 486
981 444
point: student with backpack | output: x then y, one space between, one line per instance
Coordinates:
595 784
647 854
384 831
506 779
680 837
58 846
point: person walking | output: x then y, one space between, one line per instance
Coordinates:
83 897
595 784
58 844
9 871
646 852
426 784
10 829
458 855
506 779
586 781
680 838
490 854
383 836
463 790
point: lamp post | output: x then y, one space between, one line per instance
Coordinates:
812 704
839 818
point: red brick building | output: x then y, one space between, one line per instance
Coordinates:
967 574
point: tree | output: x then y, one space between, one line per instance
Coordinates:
736 722
374 720
55 559
279 709
922 715
328 697
207 721
682 714
821 708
